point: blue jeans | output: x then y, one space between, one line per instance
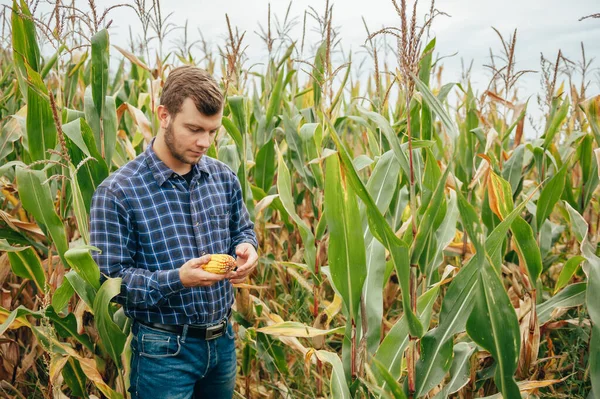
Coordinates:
165 365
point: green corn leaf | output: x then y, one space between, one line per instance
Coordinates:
493 325
347 260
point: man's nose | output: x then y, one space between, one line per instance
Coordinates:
203 141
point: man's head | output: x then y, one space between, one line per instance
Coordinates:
190 113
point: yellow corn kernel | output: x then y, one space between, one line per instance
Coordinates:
220 264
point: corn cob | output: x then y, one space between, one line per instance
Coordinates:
220 264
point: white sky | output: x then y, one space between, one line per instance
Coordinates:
543 27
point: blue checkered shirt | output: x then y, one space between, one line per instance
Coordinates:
148 222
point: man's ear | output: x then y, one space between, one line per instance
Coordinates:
163 116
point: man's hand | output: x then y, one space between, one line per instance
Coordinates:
247 259
192 274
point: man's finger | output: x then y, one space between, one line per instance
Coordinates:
204 259
210 276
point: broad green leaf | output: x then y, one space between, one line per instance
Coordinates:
24 43
284 187
591 268
391 383
233 131
100 61
67 327
16 318
460 372
567 272
471 222
444 234
112 336
513 168
591 108
80 259
437 344
493 324
556 122
264 170
434 207
550 195
81 214
25 263
82 144
383 181
346 252
493 243
381 186
41 129
384 125
361 162
594 361
37 200
310 133
436 106
424 72
528 249
104 131
85 291
238 112
571 296
382 231
391 349
275 98
432 174
578 223
593 305
584 154
294 142
62 295
373 293
75 378
110 126
500 195
12 131
339 385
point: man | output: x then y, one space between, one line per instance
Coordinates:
157 220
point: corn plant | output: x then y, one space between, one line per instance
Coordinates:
409 249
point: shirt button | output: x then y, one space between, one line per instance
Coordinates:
197 223
203 252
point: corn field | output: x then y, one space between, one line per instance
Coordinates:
413 242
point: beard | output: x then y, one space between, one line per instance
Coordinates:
176 152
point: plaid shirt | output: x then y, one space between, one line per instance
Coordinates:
148 222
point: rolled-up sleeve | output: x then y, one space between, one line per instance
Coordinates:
113 232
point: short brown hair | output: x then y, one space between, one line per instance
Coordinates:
195 83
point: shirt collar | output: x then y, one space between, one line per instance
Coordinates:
162 172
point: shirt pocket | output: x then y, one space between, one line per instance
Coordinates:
219 230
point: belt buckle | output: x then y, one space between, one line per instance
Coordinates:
210 331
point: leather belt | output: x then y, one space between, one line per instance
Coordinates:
206 332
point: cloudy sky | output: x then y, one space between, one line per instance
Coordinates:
466 35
